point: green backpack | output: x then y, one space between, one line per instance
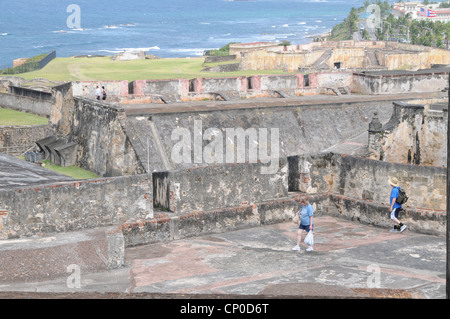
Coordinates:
402 197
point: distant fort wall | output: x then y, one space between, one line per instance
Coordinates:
393 82
344 54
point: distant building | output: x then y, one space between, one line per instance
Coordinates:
418 11
401 9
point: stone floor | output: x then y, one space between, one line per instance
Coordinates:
350 260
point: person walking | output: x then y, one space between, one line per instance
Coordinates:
306 223
103 93
395 208
98 92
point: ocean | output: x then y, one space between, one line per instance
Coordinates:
171 28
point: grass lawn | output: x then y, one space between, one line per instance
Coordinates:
72 171
104 69
11 117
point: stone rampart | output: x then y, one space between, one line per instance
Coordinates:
77 205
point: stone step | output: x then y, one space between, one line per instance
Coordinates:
60 255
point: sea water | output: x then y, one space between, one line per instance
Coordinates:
165 28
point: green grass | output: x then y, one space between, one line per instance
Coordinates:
72 171
11 117
105 69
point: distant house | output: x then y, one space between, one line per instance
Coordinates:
419 11
401 9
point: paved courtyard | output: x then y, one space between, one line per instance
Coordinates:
350 260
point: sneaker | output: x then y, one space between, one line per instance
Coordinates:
297 247
394 230
402 228
309 248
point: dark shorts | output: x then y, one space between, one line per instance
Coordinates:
396 212
305 227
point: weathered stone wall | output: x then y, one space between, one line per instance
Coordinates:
302 128
61 115
103 146
27 104
15 140
219 186
415 134
77 205
87 89
359 188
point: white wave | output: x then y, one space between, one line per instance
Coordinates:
318 21
138 49
285 25
4 34
194 51
206 23
120 50
274 26
111 27
301 22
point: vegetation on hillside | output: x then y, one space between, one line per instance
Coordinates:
420 32
402 29
225 50
31 63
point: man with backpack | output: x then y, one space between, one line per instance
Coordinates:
397 198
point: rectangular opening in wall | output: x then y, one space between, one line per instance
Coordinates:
306 80
337 65
249 83
192 85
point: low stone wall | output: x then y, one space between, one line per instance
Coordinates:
166 226
27 104
77 205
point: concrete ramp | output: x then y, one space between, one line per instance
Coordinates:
321 62
144 136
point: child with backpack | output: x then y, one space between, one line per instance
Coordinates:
397 198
